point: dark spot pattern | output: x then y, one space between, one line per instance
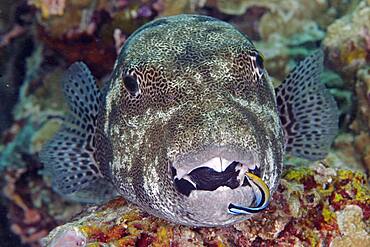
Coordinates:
308 112
70 155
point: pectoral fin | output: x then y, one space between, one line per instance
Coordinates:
308 112
70 156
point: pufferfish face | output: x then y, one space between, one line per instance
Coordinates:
189 111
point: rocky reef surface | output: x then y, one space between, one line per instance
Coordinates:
321 204
314 206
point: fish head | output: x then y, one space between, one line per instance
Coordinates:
186 121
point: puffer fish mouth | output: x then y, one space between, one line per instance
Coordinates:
191 175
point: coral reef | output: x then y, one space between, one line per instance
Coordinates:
300 16
49 7
33 208
348 41
320 205
313 207
84 30
351 225
347 44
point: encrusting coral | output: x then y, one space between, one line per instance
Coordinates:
347 44
313 206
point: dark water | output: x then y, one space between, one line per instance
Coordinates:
7 237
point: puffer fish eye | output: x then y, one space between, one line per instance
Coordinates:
262 193
131 85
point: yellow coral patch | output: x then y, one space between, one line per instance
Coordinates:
345 174
298 174
312 238
328 215
164 236
357 184
326 192
349 56
93 245
131 216
89 230
49 7
220 243
338 197
126 241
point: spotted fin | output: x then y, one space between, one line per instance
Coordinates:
70 155
308 112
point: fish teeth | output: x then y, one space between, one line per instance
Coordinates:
218 164
252 166
214 163
180 173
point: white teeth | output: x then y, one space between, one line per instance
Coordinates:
252 167
217 163
181 173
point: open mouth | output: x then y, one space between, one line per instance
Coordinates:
212 174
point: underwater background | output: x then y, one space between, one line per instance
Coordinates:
325 203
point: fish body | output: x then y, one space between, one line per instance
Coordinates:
188 124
